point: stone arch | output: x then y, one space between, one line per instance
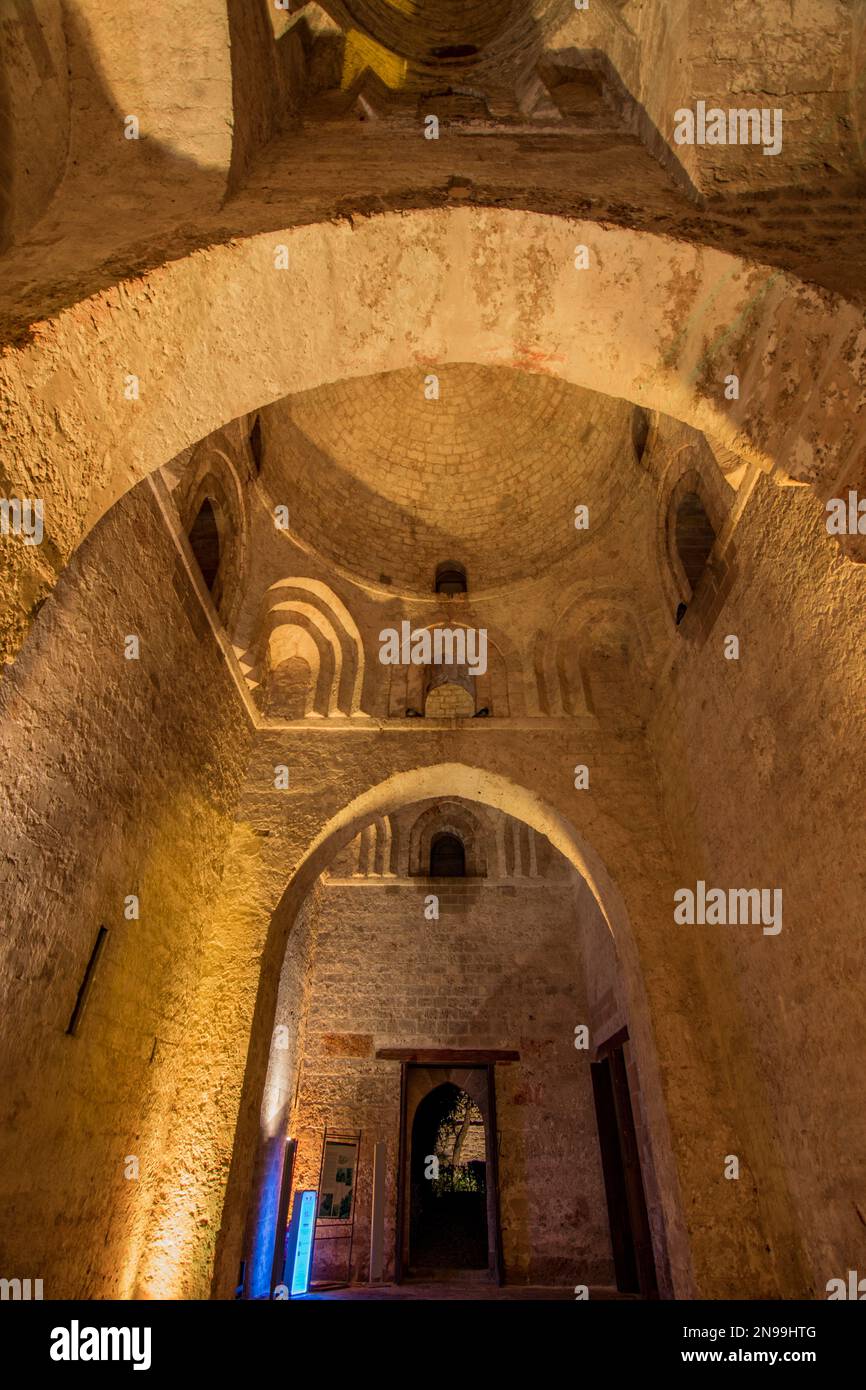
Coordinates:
688 502
449 700
212 477
484 790
562 664
296 629
372 850
450 578
613 673
473 784
428 1092
693 536
455 679
696 479
498 690
649 322
493 690
447 855
299 606
204 541
454 818
291 689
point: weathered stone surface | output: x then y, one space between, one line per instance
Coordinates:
268 368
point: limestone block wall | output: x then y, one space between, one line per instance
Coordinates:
761 760
119 777
500 969
667 56
797 61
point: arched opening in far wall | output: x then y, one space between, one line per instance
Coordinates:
337 916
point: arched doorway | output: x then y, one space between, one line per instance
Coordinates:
448 1219
424 1071
447 857
448 1183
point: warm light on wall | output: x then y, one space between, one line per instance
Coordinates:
166 1266
363 52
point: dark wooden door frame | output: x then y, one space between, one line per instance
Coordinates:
447 1056
638 1214
631 1238
619 1225
401 1178
496 1262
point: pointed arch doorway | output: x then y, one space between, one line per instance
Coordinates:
448 1192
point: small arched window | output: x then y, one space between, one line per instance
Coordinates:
455 50
450 578
256 445
205 541
694 537
640 428
447 857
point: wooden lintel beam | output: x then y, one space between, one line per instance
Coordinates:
448 1056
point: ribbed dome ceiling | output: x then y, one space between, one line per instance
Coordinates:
382 481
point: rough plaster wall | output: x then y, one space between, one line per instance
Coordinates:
761 761
119 777
176 77
858 78
661 74
500 969
605 999
34 112
638 49
71 72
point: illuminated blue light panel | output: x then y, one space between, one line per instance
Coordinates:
304 1248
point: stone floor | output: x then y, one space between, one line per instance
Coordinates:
462 1290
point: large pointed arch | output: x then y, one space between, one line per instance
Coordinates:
655 321
484 789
